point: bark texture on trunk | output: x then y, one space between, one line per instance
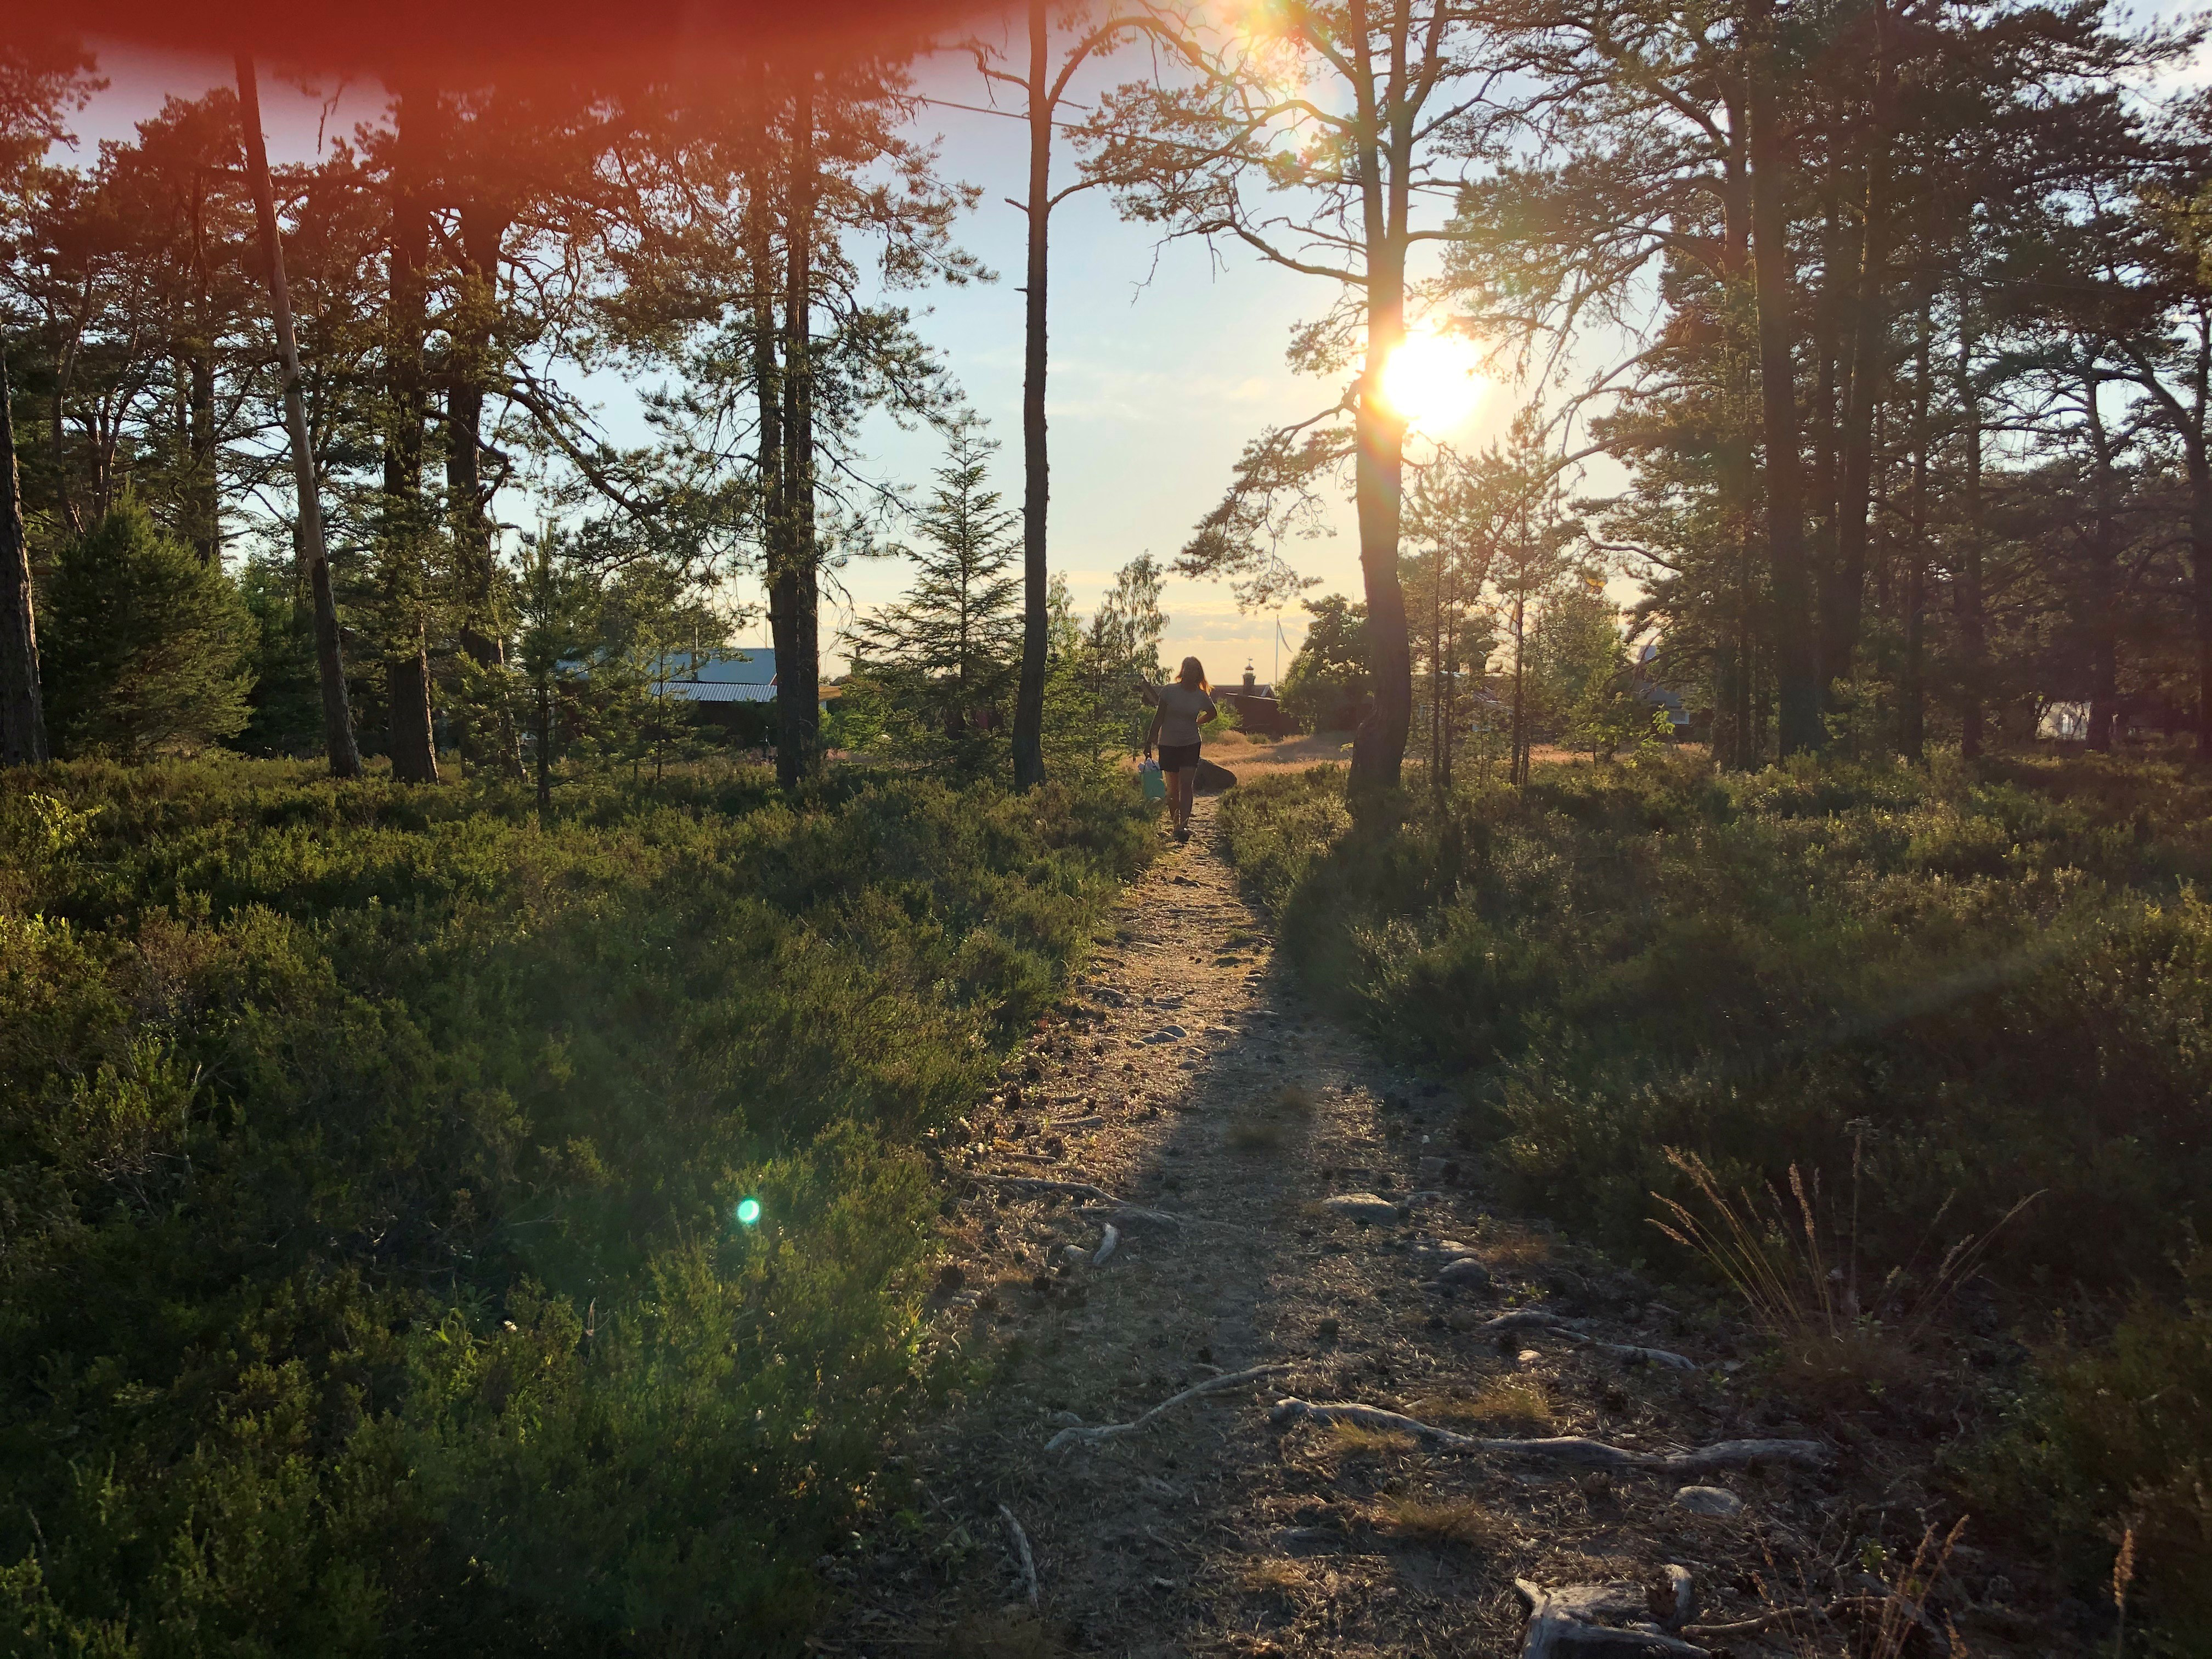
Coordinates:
406 529
795 594
23 709
1966 580
1028 696
1796 669
338 717
2200 571
1841 609
1912 691
1378 747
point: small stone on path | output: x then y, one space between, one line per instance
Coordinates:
1361 1207
1465 1274
1709 1500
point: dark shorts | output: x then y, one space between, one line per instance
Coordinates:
1178 757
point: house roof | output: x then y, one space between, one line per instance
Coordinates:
750 667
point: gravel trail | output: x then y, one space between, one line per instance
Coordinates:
1190 1078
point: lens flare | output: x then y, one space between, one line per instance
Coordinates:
1431 381
748 1211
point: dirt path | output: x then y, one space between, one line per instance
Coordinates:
1191 1078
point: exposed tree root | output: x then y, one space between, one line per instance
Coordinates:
1091 1436
1531 1319
1564 1449
1565 1621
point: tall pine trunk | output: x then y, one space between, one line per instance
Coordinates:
1841 609
796 596
203 502
2103 597
1912 691
482 232
1378 747
1028 696
338 717
405 530
768 379
22 711
1796 649
1966 579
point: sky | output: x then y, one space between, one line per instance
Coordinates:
1165 360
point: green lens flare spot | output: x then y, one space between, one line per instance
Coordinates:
748 1211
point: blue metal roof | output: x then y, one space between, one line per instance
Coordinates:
752 667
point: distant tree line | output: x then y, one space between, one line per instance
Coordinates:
1895 313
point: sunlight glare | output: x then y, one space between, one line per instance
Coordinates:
1431 380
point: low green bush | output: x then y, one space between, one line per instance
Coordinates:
369 1278
2112 1443
1991 983
1986 982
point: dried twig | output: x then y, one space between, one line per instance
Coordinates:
1091 1436
1564 1449
1021 1540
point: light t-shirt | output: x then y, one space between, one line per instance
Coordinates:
1180 708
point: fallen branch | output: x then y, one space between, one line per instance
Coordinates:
1565 1621
1136 1215
1768 1620
1022 1554
1635 1355
1523 1319
1034 1185
1564 1449
1531 1319
1080 1436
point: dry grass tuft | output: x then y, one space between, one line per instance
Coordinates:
1459 1521
1509 1244
1274 1577
1251 1133
1353 1439
1266 1125
1834 1339
1009 1633
1517 1403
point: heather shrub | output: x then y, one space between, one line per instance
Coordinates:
369 1277
1978 983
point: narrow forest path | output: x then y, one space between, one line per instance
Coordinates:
1191 1078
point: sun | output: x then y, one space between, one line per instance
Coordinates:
1432 381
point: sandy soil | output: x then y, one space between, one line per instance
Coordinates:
1189 1077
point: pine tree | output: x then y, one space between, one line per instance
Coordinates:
146 644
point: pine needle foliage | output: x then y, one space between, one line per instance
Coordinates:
146 644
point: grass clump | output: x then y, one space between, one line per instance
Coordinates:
1266 1125
1517 1404
370 1159
1789 967
1965 983
1462 1522
1356 1439
2110 1449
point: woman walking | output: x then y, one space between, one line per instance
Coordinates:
1179 708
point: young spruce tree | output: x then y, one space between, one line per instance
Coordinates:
945 659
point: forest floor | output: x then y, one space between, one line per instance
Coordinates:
1190 1076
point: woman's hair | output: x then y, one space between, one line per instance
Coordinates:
1193 674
